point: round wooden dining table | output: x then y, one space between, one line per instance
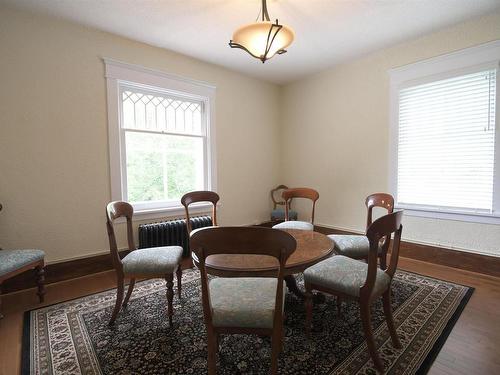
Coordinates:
312 247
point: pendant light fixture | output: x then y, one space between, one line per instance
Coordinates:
263 39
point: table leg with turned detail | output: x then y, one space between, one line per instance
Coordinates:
292 286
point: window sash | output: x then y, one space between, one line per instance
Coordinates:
169 203
140 89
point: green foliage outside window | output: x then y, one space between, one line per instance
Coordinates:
162 167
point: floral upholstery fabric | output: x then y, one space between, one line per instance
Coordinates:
345 275
352 246
247 302
291 224
279 214
153 261
11 260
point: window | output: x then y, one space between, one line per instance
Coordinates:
161 141
446 144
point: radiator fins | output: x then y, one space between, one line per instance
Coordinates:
170 233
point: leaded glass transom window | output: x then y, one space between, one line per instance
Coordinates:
157 112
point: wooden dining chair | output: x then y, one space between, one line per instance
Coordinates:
278 213
242 305
290 194
156 262
358 246
350 278
198 197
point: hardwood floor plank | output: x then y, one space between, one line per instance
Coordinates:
472 347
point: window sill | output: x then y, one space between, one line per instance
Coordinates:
169 213
448 215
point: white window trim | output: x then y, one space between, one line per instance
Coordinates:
116 73
442 67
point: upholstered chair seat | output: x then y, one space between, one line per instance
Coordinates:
12 260
279 214
345 275
15 262
352 246
243 302
153 261
303 225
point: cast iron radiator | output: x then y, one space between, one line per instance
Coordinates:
170 233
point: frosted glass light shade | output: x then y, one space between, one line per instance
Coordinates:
257 37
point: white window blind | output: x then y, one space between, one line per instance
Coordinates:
446 143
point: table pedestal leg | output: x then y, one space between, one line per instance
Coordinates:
291 284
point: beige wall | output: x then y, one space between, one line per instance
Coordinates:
54 168
337 136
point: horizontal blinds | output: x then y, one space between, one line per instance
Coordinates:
446 143
146 111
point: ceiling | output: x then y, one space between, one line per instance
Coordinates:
327 31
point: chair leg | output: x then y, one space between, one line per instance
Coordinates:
212 351
276 349
170 297
129 292
367 326
339 305
119 298
179 281
1 316
309 309
40 282
390 319
383 261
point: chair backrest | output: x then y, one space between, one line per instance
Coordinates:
115 210
205 242
200 196
307 193
278 190
382 200
383 227
1 210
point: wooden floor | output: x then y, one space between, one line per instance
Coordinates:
472 348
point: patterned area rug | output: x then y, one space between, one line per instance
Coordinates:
74 338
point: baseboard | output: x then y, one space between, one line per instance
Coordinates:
413 241
485 264
74 268
61 271
66 270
